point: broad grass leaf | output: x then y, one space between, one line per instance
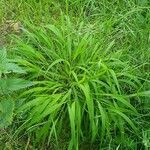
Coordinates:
82 46
140 94
111 44
56 31
126 118
71 110
115 80
123 100
90 105
104 119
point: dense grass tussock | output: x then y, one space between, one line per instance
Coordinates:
82 89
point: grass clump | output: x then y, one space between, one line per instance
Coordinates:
82 86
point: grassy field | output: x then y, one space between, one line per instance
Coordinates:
75 74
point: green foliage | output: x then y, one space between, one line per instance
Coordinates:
79 80
6 65
8 86
11 85
90 71
6 112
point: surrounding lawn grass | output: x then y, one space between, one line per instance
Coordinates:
75 74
